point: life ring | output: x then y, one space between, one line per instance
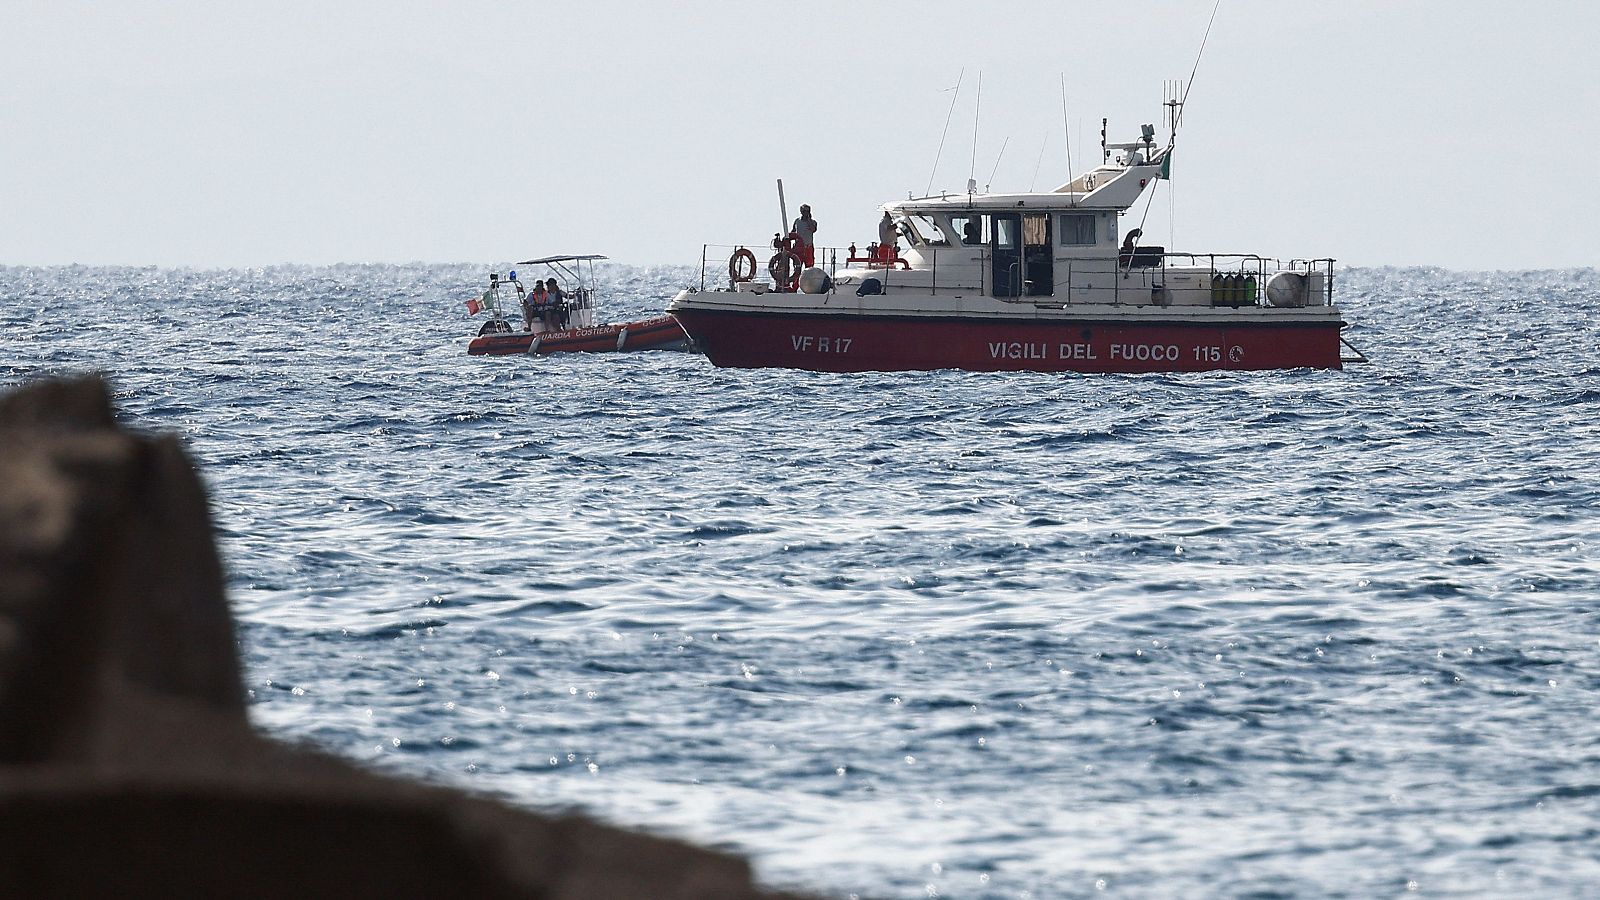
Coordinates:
784 268
741 266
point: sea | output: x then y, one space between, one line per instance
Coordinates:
934 634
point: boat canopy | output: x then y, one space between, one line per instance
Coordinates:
557 259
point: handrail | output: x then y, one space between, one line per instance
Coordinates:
1137 280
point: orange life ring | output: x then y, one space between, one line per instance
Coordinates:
784 267
741 265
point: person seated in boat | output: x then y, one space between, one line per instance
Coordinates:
558 303
535 304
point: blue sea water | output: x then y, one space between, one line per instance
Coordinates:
910 635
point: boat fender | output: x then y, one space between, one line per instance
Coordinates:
622 338
534 346
1287 289
869 286
741 266
815 281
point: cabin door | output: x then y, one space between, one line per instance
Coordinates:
1038 275
1005 254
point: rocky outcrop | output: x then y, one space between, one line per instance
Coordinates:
128 766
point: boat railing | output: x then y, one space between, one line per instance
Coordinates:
1137 284
828 258
1133 284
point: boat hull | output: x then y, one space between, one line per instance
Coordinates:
660 333
857 343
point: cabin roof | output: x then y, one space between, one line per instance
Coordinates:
555 259
992 203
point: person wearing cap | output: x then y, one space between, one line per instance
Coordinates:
805 231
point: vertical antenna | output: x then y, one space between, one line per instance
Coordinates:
1066 128
1043 145
997 159
1105 154
976 108
1202 52
1171 89
946 131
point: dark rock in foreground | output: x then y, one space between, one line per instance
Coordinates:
127 764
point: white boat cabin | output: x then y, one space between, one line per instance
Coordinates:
1050 250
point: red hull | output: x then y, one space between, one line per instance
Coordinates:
660 333
863 344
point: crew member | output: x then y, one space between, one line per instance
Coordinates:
886 238
558 306
540 303
532 305
805 233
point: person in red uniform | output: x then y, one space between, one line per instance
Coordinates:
805 231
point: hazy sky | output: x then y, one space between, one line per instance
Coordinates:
1460 134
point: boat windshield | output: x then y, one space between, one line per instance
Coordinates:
971 228
927 231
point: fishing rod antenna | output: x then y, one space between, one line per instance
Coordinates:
943 134
1183 97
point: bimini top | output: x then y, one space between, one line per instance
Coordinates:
555 259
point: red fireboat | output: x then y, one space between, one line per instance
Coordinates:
1023 281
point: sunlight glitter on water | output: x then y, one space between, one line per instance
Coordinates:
857 626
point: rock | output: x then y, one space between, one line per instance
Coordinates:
128 766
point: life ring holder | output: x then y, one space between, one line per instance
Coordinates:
741 266
785 261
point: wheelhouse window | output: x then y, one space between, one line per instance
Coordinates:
1005 234
926 230
969 228
1077 229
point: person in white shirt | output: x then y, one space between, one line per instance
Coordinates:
887 234
805 232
